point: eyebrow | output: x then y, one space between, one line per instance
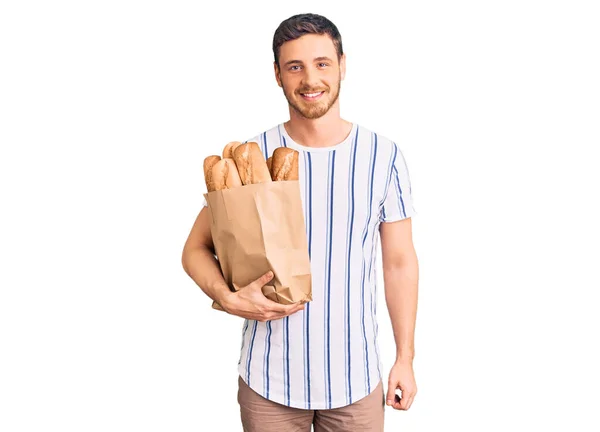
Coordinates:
315 59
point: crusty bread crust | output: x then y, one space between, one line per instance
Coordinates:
229 149
209 162
225 174
285 164
269 164
251 164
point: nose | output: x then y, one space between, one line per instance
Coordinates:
310 78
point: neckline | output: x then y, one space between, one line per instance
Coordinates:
293 144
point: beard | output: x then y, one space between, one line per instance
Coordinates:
313 110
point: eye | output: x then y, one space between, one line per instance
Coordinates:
294 66
324 64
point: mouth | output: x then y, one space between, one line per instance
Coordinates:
312 96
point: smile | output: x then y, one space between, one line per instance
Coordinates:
312 96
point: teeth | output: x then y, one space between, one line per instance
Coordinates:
312 94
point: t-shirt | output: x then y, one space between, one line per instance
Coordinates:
327 355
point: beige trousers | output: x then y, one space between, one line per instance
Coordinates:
262 415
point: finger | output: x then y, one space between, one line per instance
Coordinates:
391 393
410 402
282 311
397 402
296 308
406 401
262 281
280 308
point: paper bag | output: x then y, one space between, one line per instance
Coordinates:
260 227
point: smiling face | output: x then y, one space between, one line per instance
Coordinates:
310 74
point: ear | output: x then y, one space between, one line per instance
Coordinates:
343 66
277 74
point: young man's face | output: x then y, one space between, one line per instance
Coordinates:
309 65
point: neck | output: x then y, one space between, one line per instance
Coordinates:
324 131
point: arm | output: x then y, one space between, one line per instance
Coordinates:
401 277
199 261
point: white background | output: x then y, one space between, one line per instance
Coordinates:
107 110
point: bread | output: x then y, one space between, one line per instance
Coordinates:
285 164
225 174
269 161
251 164
209 162
229 148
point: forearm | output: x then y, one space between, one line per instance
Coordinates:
401 294
201 265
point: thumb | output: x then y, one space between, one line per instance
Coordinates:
264 279
391 394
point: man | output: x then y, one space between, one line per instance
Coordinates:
319 363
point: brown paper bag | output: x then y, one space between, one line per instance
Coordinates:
257 228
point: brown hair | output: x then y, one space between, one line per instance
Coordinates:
298 25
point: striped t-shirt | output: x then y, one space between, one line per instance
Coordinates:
327 355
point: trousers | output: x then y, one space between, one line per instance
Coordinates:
262 415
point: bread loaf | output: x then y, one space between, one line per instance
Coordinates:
209 162
285 164
225 174
269 161
251 164
229 149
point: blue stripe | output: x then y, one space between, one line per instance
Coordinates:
304 348
243 340
391 165
376 335
365 231
264 140
308 305
279 132
399 192
373 290
372 182
307 309
374 303
376 331
286 322
284 363
267 357
286 343
250 354
370 204
348 258
371 268
389 179
328 275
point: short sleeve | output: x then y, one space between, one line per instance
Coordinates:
398 199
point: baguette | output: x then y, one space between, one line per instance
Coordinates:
269 163
251 164
285 164
225 174
209 162
229 148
